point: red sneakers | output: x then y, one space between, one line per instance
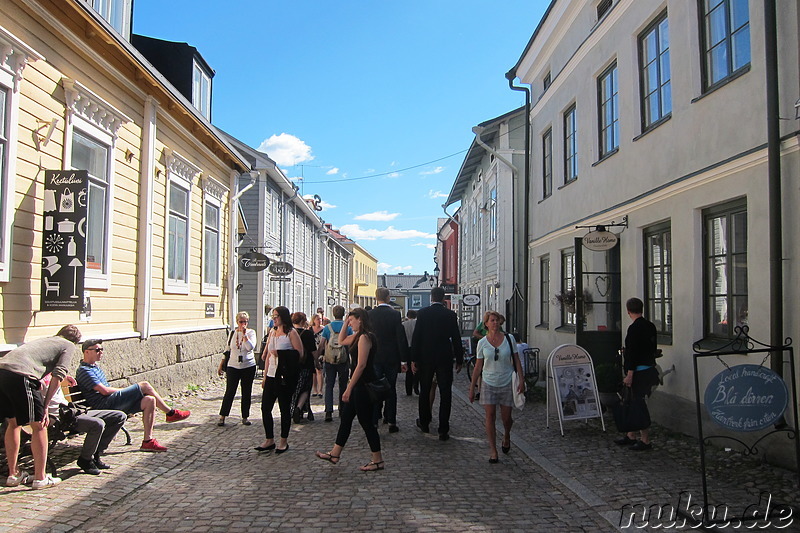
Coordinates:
178 415
152 445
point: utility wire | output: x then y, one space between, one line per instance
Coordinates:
387 173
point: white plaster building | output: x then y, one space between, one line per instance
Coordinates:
655 112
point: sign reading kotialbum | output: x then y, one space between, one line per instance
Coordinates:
253 262
746 398
64 239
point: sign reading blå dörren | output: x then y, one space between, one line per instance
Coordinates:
600 241
746 398
253 262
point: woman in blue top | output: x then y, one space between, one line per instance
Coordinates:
497 362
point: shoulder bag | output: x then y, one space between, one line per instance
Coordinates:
631 413
226 355
519 398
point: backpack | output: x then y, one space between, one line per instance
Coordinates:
335 353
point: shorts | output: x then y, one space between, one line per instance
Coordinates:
127 400
20 398
496 395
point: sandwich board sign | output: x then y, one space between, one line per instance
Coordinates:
572 385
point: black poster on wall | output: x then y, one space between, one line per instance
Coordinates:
64 239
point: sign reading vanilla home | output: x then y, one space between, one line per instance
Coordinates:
746 398
281 268
600 241
253 262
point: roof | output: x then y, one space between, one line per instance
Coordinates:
405 281
475 154
513 72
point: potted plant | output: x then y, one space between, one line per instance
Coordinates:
568 300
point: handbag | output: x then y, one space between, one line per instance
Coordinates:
519 397
379 389
226 355
631 413
288 367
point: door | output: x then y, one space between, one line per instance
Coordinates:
598 320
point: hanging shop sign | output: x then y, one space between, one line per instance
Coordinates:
253 262
471 299
600 241
64 240
746 398
280 268
279 278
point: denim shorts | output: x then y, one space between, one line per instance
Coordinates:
127 400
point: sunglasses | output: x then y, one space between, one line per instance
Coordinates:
98 350
243 322
496 354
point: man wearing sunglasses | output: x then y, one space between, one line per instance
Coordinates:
132 399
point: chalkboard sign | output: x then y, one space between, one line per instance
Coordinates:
746 398
572 384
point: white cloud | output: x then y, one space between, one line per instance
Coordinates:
391 233
436 194
332 171
394 175
369 171
425 244
436 170
325 205
286 149
384 266
403 268
380 216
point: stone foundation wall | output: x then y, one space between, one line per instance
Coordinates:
169 362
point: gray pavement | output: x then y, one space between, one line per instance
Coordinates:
211 479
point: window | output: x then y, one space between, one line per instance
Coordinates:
211 246
655 77
117 13
92 155
201 91
547 163
602 8
725 40
493 215
416 301
544 291
567 285
178 234
570 145
5 184
725 242
546 81
607 92
658 278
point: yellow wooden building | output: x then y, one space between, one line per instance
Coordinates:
76 94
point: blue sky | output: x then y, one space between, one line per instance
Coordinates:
335 91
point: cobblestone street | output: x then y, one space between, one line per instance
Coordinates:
211 479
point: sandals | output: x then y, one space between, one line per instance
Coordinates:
327 456
506 447
372 466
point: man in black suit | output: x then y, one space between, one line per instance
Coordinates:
436 342
387 325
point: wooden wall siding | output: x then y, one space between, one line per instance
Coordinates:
41 100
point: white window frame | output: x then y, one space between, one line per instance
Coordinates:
180 172
95 118
201 99
14 55
107 8
212 196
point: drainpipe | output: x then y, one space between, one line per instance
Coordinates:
510 76
144 300
774 184
233 272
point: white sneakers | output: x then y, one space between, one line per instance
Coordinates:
48 481
22 478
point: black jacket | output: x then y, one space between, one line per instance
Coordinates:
437 338
387 325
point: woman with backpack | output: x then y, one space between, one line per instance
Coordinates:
335 360
497 362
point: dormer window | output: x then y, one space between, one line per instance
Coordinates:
201 90
603 7
117 13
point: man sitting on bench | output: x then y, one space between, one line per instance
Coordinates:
133 399
100 426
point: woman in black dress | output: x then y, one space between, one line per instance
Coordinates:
356 400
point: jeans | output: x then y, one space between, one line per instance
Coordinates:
232 378
331 371
390 412
100 426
